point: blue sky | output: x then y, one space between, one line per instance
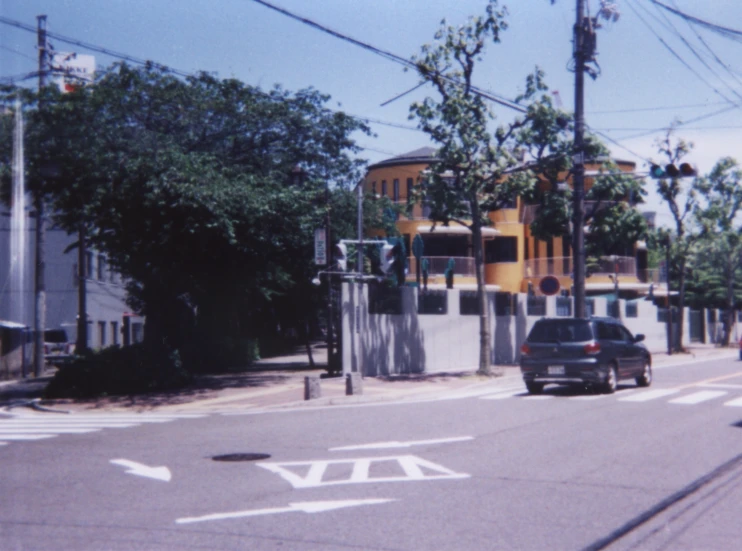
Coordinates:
643 87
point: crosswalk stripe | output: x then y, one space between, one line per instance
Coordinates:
53 426
4 436
45 430
502 395
539 397
589 397
734 403
649 395
698 397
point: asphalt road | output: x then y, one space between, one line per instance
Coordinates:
657 468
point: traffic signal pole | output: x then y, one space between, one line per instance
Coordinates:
578 169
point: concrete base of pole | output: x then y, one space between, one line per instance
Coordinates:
353 384
312 389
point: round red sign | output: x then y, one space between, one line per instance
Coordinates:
549 285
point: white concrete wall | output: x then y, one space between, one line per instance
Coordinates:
379 345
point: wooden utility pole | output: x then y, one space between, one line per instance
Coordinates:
39 280
578 169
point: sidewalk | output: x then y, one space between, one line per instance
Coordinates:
278 383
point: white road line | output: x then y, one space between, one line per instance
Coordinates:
396 444
540 397
45 430
503 395
721 385
5 436
698 397
589 397
734 403
649 395
51 426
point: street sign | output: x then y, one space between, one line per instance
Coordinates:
320 247
549 285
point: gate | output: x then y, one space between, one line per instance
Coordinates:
695 320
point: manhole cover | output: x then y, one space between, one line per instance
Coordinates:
241 457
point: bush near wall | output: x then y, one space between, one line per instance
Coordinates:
119 371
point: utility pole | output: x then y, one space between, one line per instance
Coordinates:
578 169
331 356
39 280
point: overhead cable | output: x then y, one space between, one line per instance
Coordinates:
388 55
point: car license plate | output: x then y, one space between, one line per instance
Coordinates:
556 370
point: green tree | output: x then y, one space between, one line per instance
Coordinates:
467 181
681 200
719 254
185 185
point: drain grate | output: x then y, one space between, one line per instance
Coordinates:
241 457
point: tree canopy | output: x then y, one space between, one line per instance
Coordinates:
185 184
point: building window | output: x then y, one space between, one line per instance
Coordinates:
373 188
114 333
395 190
102 333
409 188
101 267
383 188
526 248
501 249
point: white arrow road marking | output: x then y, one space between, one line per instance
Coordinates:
414 468
301 507
396 444
158 473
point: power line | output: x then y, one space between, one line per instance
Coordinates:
385 54
658 108
725 31
676 55
94 48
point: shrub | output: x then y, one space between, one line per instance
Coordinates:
119 371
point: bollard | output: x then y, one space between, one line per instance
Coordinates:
312 389
353 384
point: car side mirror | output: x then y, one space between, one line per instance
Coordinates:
638 338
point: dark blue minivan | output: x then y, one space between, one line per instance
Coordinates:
594 352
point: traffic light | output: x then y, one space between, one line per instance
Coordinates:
685 170
341 256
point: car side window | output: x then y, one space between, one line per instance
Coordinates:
625 334
603 331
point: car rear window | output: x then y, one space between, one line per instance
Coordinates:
55 336
560 331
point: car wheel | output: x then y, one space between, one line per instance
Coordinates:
611 382
645 379
535 388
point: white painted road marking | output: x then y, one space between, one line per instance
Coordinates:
34 426
301 507
158 473
395 444
734 403
698 397
411 465
649 395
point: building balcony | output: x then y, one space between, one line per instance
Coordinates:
561 266
529 212
437 265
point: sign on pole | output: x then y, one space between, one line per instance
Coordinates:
72 70
320 247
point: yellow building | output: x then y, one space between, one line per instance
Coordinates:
514 260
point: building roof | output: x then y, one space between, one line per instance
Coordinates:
421 155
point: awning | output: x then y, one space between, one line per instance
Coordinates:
457 230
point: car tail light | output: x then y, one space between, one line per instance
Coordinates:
525 349
592 348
